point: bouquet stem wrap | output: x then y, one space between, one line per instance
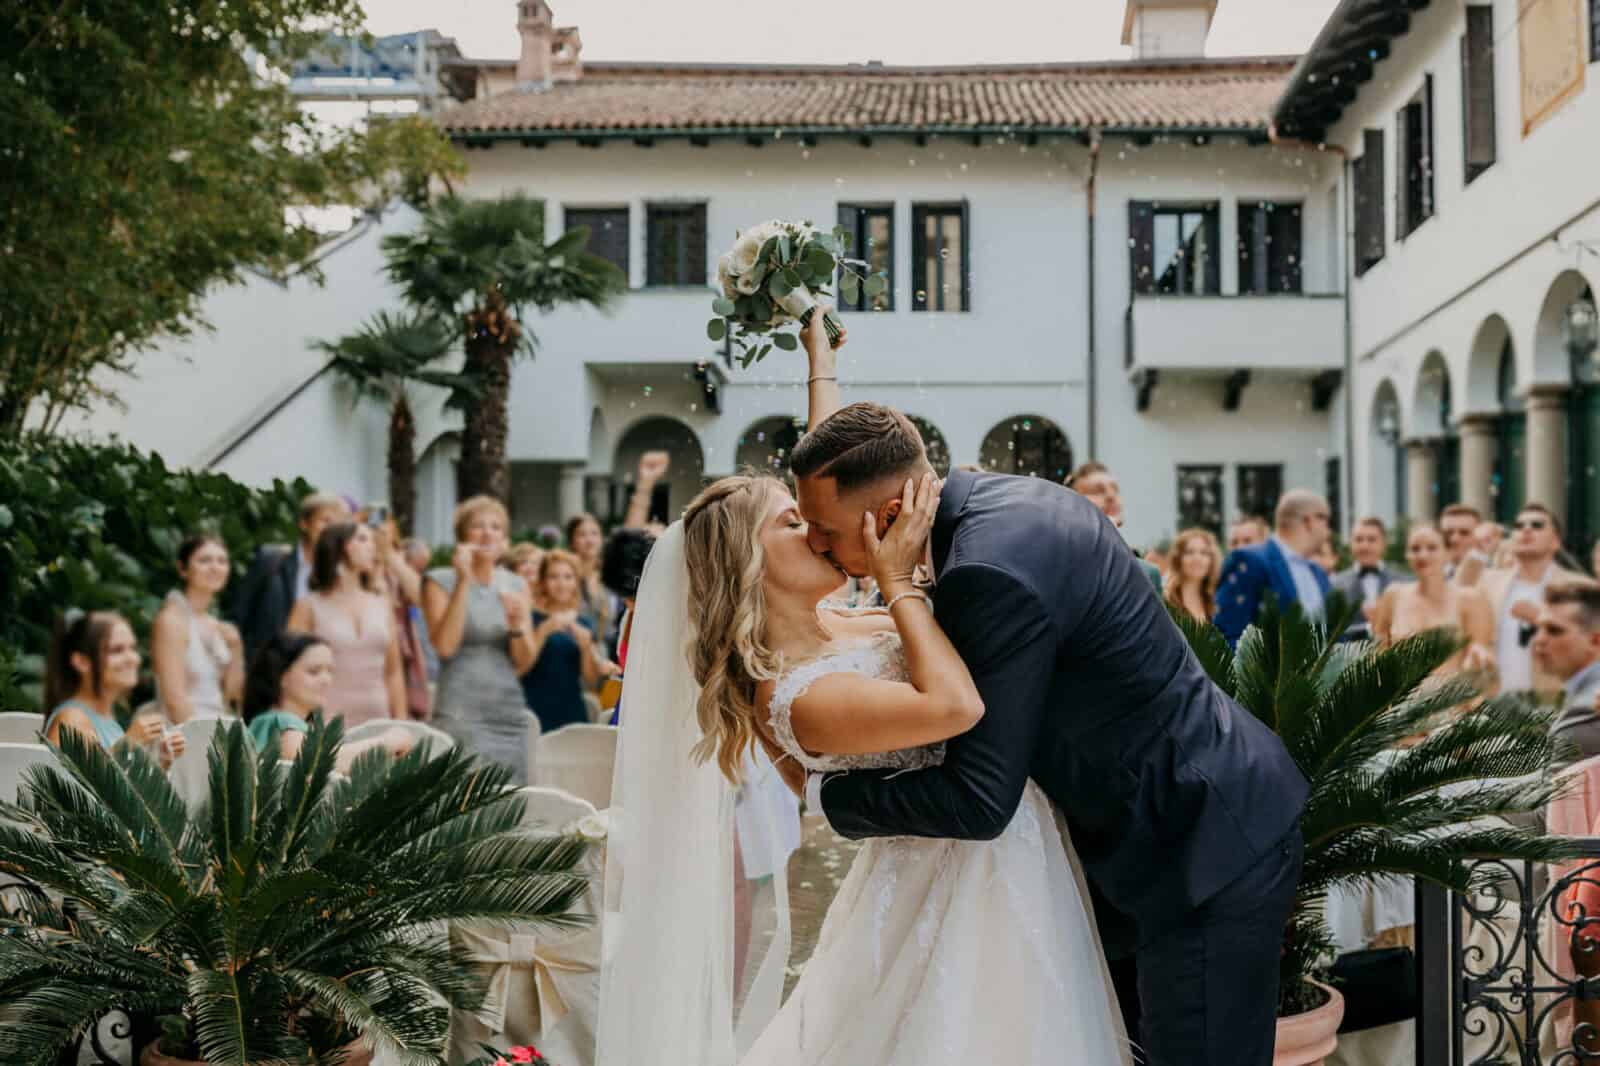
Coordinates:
802 305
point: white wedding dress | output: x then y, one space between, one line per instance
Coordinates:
945 950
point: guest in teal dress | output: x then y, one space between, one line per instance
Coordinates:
94 665
289 679
565 660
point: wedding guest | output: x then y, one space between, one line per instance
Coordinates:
1433 601
1247 532
1096 483
198 659
479 619
93 666
1516 596
585 540
1459 524
402 585
621 568
1196 567
565 659
418 555
290 679
1367 577
345 609
1281 566
653 466
1566 645
1489 538
280 575
523 560
1327 557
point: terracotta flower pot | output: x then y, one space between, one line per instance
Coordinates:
1306 1039
153 1056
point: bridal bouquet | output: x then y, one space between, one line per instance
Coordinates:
773 275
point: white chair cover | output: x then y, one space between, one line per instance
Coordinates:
15 759
422 735
544 984
21 727
190 773
579 759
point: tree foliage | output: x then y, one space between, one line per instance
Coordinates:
293 912
152 150
480 264
1381 807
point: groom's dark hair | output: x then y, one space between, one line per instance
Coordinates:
859 445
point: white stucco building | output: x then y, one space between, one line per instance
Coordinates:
1469 137
1108 260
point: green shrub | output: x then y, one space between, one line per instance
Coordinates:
97 526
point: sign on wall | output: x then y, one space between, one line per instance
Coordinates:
1550 36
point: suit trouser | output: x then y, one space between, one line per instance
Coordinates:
1208 983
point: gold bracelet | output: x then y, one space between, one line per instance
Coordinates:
917 593
821 377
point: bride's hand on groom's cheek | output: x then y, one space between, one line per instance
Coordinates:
893 558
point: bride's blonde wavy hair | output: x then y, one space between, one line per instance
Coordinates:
728 651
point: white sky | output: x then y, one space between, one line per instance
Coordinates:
847 31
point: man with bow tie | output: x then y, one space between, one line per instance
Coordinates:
1365 581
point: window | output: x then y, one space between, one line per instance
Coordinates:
608 232
1269 247
1414 172
871 239
1260 485
1334 477
1477 90
1594 31
1200 498
1368 181
940 271
1174 248
675 245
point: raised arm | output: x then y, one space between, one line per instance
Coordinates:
653 466
1005 637
822 377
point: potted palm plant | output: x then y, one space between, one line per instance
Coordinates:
298 918
1378 808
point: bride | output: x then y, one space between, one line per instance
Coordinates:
933 949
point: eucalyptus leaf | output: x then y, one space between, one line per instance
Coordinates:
783 248
786 341
780 285
850 287
723 306
877 285
717 329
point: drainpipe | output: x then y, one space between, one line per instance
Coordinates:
1094 165
1345 239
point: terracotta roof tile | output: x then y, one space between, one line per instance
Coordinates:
617 98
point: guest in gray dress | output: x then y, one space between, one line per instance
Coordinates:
479 620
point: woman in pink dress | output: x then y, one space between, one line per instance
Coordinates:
343 609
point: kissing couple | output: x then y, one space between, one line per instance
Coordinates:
1078 849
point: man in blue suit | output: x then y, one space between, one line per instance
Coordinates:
1282 566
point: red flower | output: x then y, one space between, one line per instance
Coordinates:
525 1055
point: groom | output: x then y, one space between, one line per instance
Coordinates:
1182 806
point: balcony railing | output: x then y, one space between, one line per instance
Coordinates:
1229 333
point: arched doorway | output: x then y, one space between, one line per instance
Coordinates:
1029 446
1388 466
1509 484
1583 435
766 445
1432 420
683 480
933 440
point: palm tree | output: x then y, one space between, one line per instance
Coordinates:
294 914
482 263
381 360
1377 810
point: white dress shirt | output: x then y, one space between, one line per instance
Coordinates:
1306 588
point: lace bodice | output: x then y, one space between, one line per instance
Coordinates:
879 656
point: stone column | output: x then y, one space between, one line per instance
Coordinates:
569 492
1479 442
1422 480
1547 448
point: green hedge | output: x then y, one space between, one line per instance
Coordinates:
97 526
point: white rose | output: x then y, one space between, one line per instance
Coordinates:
744 253
592 826
726 276
747 284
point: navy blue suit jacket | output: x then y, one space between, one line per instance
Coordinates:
1171 790
1247 575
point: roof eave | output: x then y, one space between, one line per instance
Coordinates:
1386 20
1084 130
